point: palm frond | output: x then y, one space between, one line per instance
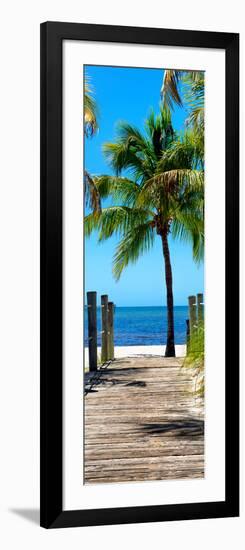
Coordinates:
198 246
179 197
186 152
193 91
118 188
130 135
196 118
130 150
120 156
171 181
170 88
91 192
133 244
160 130
90 110
194 99
115 220
190 227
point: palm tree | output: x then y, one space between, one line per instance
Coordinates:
164 194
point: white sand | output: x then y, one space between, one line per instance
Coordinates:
133 351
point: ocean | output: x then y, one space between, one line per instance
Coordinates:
143 326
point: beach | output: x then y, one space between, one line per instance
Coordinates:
134 351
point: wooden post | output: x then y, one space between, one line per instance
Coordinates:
187 334
111 330
192 313
200 308
92 330
104 328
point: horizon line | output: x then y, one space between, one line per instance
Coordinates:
159 305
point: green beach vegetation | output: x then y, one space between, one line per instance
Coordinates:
195 357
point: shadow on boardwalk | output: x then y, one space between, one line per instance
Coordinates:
142 422
181 428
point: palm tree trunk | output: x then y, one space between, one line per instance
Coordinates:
170 347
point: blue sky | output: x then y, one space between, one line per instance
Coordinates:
128 94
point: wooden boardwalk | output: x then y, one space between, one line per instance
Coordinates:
142 423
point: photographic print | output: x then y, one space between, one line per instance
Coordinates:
144 262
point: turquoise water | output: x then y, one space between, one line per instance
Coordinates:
143 326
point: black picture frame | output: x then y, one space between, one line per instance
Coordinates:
52 35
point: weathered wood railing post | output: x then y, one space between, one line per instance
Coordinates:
192 313
104 328
111 330
92 330
200 308
187 334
